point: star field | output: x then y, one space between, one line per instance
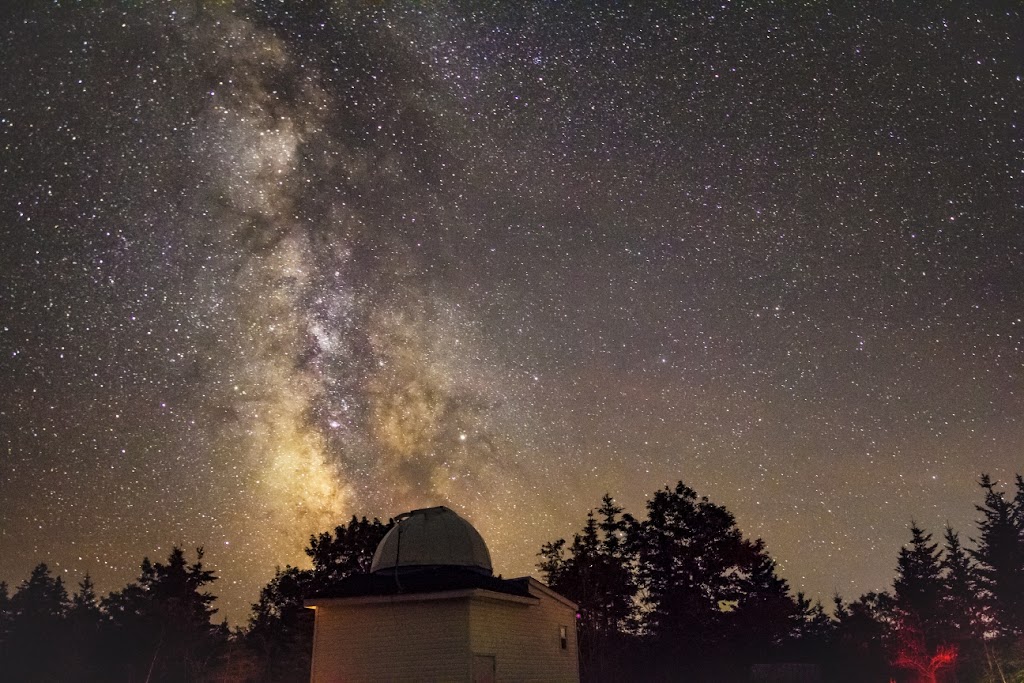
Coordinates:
267 264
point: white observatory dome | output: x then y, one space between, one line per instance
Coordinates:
432 537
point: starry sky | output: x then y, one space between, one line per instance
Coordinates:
267 264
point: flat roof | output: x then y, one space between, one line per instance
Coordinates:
434 583
431 579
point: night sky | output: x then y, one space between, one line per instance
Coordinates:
268 264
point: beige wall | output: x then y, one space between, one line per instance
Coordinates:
411 639
525 639
399 641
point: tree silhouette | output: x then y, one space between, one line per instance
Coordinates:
1000 555
960 606
679 593
918 588
859 645
280 633
812 629
595 574
34 648
84 618
280 630
703 585
962 613
920 639
675 591
6 615
159 628
349 551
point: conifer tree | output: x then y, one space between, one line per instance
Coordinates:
859 641
918 588
613 526
962 618
959 602
84 620
84 602
918 639
596 573
812 627
617 579
1000 555
159 627
37 638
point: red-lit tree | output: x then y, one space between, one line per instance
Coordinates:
921 637
915 656
918 588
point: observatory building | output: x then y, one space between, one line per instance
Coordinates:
431 609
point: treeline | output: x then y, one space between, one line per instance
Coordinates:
681 594
161 628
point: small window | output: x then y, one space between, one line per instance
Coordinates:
563 636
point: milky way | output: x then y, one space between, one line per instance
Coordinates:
267 266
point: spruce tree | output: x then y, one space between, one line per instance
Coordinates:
918 588
619 585
84 619
959 602
84 602
37 640
159 627
962 617
859 642
595 572
812 627
918 637
1000 556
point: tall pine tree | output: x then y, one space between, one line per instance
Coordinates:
1000 555
918 586
961 609
159 627
84 618
36 643
596 574
962 612
918 638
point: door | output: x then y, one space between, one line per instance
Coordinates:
484 667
